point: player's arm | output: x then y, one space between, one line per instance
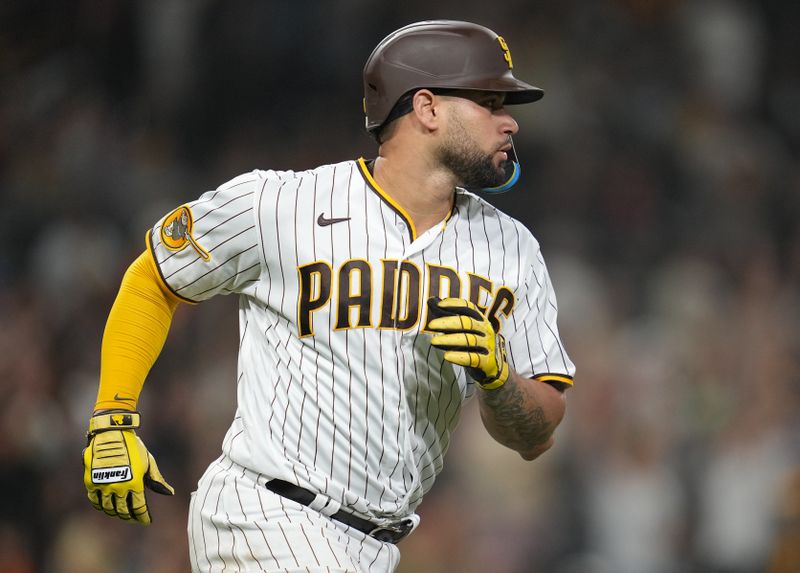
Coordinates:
135 333
519 413
522 414
117 465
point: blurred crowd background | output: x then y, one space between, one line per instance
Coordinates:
661 174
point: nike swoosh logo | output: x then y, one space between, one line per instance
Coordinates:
323 221
123 399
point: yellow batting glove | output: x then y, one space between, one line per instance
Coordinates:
117 467
468 339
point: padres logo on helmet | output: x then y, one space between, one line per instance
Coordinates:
176 232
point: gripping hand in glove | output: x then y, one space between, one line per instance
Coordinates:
468 339
117 467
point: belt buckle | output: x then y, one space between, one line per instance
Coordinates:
392 532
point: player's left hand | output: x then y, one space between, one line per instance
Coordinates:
117 467
468 339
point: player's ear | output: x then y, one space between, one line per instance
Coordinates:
426 109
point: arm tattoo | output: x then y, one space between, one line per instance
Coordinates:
519 421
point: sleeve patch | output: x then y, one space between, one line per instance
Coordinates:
176 232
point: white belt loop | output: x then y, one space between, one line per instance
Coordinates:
414 519
325 505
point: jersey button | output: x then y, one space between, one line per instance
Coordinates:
401 225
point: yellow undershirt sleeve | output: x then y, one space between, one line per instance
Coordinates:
135 333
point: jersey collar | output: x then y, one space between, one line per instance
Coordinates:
364 168
367 174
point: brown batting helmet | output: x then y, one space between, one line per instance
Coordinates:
439 54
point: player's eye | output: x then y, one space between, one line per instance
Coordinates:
493 103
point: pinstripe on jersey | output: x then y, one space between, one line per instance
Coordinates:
339 389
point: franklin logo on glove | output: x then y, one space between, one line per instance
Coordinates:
111 475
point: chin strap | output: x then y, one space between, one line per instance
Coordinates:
512 170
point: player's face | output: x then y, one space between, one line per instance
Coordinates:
478 139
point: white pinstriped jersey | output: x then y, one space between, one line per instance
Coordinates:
339 389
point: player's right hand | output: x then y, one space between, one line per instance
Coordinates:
117 467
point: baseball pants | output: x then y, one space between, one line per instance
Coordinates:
238 525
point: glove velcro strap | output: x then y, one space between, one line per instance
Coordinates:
502 365
492 384
113 421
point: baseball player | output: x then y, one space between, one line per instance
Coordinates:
375 298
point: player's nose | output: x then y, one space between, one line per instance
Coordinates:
509 125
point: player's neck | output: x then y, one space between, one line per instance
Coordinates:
425 193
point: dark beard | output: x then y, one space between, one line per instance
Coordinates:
473 168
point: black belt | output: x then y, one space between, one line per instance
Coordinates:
390 533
